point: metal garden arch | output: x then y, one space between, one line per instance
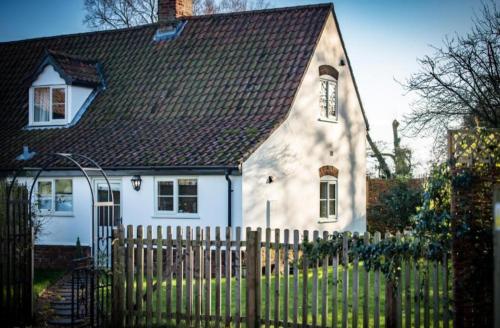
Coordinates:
102 235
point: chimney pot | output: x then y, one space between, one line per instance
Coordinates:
169 11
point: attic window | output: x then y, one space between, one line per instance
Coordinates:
49 105
169 31
328 99
328 93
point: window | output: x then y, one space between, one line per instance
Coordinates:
328 99
103 215
45 195
55 195
188 196
49 105
166 196
176 196
328 198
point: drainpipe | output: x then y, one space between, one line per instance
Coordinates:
229 202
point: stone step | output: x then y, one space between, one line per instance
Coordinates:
61 306
65 322
66 312
64 302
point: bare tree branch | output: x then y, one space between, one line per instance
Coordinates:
459 85
113 14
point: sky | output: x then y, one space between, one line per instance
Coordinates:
383 38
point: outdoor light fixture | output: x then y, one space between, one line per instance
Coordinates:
270 179
136 182
342 62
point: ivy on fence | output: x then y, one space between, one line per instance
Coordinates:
430 239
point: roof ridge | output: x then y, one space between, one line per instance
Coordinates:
70 35
261 11
137 27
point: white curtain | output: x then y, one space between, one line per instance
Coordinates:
42 103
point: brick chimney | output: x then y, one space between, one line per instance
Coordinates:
170 10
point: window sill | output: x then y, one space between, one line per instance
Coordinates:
58 215
176 217
327 120
320 221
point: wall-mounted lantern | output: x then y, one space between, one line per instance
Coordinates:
270 179
136 182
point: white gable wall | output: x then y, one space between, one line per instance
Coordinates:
49 76
301 145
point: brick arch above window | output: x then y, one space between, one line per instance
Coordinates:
328 170
328 70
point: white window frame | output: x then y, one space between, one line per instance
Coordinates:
175 213
330 218
51 121
156 193
53 211
323 116
111 181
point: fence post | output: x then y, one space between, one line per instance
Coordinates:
253 283
391 313
118 296
496 251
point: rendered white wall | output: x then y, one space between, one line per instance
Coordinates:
76 98
138 208
64 230
301 145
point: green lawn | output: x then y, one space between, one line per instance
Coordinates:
290 301
44 278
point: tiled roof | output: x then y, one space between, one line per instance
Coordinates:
206 98
75 70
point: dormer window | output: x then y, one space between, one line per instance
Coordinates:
328 100
49 105
62 88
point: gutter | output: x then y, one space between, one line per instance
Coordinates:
142 170
229 198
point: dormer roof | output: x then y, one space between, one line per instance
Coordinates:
75 70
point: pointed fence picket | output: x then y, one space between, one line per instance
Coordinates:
200 277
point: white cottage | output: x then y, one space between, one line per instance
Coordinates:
241 119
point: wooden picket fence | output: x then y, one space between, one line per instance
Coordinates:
190 277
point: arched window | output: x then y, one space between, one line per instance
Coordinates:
328 93
328 198
328 193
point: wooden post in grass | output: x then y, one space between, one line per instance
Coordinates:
391 313
118 298
252 277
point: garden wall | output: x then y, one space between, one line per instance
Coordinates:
375 187
57 256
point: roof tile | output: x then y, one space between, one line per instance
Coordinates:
208 97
